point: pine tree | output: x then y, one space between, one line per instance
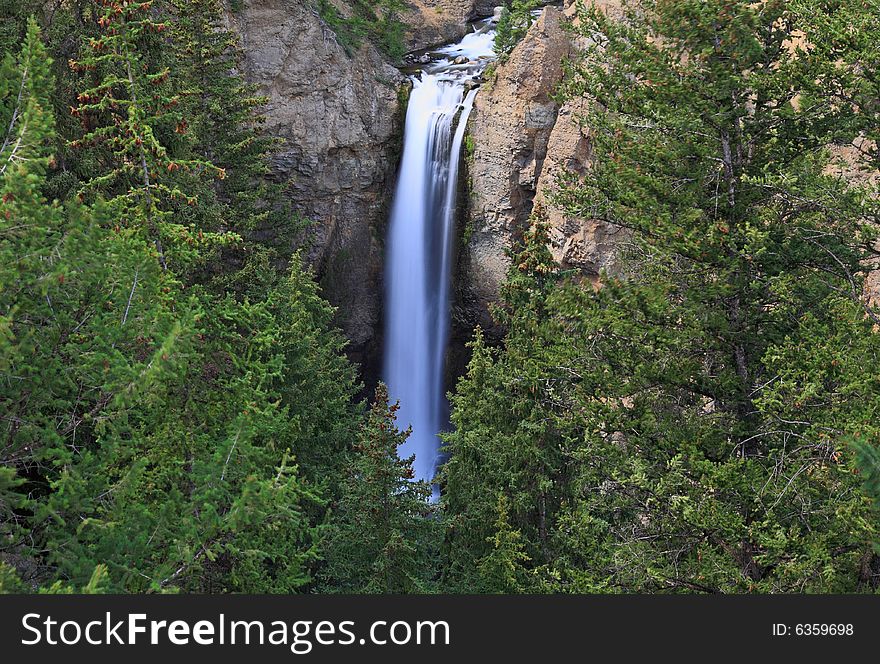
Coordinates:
72 348
683 428
24 159
222 112
126 108
383 536
502 569
153 420
223 125
747 250
515 21
842 33
504 440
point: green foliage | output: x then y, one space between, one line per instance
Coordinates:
179 414
502 571
223 122
842 35
97 584
13 26
516 19
504 440
126 107
378 22
469 147
682 428
171 426
868 463
384 535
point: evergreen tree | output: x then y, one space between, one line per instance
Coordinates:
504 440
383 536
698 404
842 33
126 108
502 569
748 253
73 347
515 21
221 113
751 250
153 420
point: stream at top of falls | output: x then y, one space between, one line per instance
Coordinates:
421 235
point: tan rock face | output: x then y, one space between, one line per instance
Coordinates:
587 245
522 142
339 122
510 130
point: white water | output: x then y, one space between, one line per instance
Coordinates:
420 240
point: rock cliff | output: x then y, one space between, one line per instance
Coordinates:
338 119
509 132
521 141
586 245
433 22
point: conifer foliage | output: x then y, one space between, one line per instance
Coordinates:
384 538
127 105
686 426
515 20
161 429
177 412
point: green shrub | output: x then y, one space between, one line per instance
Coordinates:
377 22
513 25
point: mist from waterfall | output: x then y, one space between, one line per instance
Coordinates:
420 244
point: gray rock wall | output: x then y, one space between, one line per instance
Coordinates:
339 123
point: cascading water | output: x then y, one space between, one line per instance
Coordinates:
420 239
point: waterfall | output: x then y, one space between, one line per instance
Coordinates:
420 244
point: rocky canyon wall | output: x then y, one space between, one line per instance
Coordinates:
338 121
522 139
338 117
433 22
